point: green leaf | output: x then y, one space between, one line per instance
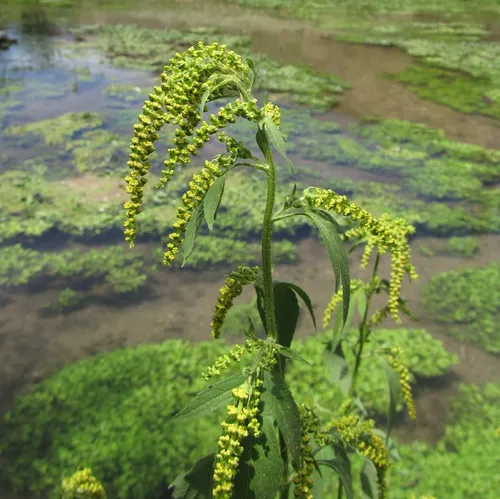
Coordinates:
304 296
287 312
275 136
328 229
213 397
261 466
192 229
362 303
369 480
394 395
204 98
212 199
260 305
291 354
337 367
278 399
197 483
342 466
252 68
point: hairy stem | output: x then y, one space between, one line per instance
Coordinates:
267 232
363 329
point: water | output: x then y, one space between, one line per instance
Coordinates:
34 345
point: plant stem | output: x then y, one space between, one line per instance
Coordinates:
267 232
362 333
340 490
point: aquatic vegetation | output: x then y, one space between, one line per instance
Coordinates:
453 88
467 299
124 272
138 47
59 130
468 449
98 151
213 250
128 396
466 246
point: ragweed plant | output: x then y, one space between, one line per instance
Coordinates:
268 445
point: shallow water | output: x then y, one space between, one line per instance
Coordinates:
180 303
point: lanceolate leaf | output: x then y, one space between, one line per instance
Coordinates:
276 138
192 229
341 464
287 312
291 354
213 397
328 229
369 480
212 199
197 483
394 395
261 466
279 401
304 296
337 367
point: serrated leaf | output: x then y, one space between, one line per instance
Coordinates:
291 354
335 246
337 367
287 312
212 200
192 229
261 466
342 466
395 393
369 480
211 398
197 483
279 401
305 298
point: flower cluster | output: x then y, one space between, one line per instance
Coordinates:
336 299
242 421
359 435
83 485
273 111
310 426
395 359
232 288
184 81
386 233
234 355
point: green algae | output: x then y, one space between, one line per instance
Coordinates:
58 130
86 411
130 46
467 301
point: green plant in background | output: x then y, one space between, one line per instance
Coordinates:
462 246
268 442
467 300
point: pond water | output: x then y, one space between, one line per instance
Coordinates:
49 73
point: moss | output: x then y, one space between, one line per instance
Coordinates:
61 129
113 413
467 300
